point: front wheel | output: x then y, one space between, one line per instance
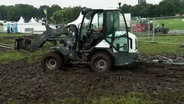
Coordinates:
101 62
52 61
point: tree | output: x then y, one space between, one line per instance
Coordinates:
66 14
126 8
27 11
167 8
54 8
180 5
153 11
41 11
59 16
10 13
71 13
171 7
13 13
3 12
140 10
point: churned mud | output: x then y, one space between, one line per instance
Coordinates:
23 82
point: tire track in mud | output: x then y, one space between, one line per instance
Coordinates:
28 83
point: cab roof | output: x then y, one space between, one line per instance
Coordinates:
85 10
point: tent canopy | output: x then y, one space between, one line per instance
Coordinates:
33 20
21 20
77 21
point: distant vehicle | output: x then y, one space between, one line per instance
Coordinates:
162 29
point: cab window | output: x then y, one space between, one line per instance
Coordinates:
117 33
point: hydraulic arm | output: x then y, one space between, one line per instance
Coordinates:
36 41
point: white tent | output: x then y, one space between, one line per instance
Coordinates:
1 26
1 21
77 21
33 20
21 20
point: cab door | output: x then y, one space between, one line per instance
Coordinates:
116 31
91 29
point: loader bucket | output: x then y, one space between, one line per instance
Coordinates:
21 43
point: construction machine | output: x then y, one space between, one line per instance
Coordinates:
101 40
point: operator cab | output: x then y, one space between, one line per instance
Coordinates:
99 25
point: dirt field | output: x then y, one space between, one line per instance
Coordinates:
27 83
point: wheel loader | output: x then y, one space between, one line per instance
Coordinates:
101 39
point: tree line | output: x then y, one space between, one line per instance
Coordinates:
164 8
56 14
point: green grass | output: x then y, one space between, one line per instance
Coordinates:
162 44
12 34
29 56
9 55
172 24
130 98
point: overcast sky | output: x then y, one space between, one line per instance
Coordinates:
72 3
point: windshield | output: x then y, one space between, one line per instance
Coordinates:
86 24
117 31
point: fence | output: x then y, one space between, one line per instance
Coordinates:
149 28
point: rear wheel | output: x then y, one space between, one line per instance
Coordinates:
52 61
101 62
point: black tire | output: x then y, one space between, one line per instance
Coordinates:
101 62
52 61
164 31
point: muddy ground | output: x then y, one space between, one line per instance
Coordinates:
27 83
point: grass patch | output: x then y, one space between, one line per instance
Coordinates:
6 56
29 56
13 34
172 24
130 98
15 55
36 56
162 44
8 41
